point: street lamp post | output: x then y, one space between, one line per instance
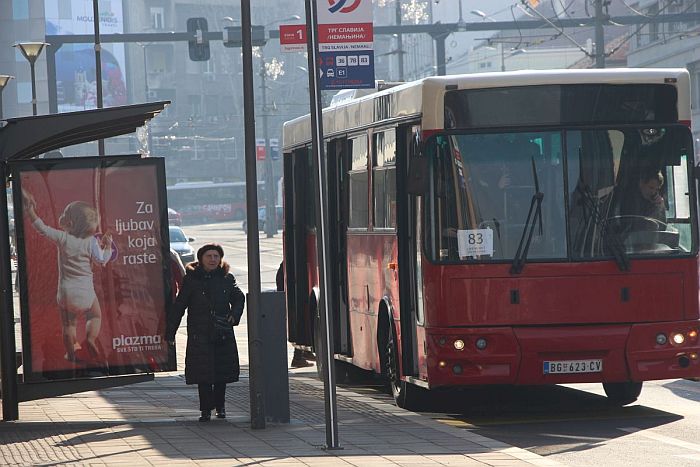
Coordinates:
31 51
270 208
4 79
147 126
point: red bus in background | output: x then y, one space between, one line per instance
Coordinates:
210 201
523 228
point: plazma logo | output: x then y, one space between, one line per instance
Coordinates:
340 5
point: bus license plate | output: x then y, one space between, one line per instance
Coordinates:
573 366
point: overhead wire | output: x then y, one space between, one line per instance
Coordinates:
636 12
561 31
642 25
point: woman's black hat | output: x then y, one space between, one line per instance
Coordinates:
207 247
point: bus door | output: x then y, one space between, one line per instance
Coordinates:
298 216
337 156
408 230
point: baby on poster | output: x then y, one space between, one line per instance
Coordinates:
78 246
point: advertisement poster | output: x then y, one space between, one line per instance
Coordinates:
75 63
92 237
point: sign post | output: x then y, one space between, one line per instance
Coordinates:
340 31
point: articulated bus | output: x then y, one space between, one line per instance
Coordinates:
210 201
519 228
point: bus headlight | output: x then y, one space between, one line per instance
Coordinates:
459 344
661 339
678 338
481 343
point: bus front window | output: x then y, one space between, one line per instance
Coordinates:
483 189
629 192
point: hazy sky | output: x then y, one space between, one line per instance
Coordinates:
458 44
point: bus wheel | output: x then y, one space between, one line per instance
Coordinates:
406 395
622 393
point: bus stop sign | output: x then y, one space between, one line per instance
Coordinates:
345 44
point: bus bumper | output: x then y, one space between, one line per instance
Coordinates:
614 353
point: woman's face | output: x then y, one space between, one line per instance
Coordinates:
211 259
650 189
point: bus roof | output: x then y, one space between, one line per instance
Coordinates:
424 98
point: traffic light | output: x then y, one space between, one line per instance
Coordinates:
199 44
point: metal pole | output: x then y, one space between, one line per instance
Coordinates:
399 40
599 35
145 75
51 77
270 211
98 66
440 52
322 240
31 68
256 381
8 350
148 126
503 58
0 104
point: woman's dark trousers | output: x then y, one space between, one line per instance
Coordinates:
211 396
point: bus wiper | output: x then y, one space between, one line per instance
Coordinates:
612 240
533 215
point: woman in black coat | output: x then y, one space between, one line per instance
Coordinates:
214 305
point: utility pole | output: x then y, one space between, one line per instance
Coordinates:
270 208
399 40
256 380
599 34
98 66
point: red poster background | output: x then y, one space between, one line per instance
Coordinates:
130 287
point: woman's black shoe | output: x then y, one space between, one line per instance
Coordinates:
221 413
206 416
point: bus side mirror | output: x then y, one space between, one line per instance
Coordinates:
418 170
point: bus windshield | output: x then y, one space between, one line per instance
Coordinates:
604 192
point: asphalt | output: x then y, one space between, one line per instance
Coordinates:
155 423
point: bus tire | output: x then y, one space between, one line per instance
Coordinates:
406 395
622 393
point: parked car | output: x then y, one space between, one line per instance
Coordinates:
174 217
262 217
181 244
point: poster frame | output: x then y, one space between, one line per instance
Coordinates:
91 162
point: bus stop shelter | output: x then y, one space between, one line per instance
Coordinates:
26 138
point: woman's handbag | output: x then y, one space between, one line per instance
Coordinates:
222 326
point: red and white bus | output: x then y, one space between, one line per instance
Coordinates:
522 228
210 201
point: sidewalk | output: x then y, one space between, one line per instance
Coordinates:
155 423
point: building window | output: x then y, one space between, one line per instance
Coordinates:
195 102
157 18
20 9
64 9
653 27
